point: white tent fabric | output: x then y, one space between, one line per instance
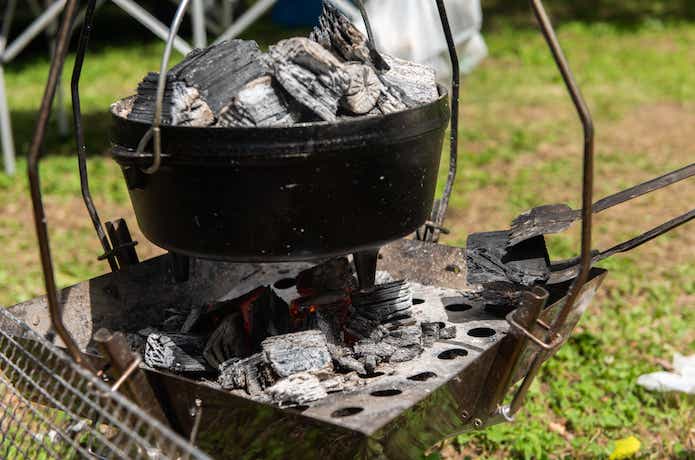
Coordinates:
411 29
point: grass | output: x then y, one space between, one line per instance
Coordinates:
521 146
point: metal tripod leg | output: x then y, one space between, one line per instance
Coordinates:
5 122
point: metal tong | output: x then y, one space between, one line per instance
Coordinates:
557 218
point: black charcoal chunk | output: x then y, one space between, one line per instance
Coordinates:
175 352
381 350
360 327
489 260
343 359
337 34
299 352
405 354
310 74
405 337
227 341
259 103
297 389
385 302
250 374
217 73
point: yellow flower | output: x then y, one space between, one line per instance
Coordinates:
625 448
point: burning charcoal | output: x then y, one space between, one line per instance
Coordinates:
264 314
327 311
227 341
385 302
310 74
175 352
259 103
203 83
297 389
344 361
299 352
250 374
337 34
333 275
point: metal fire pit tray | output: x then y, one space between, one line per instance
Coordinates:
395 415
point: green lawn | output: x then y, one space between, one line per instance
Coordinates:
521 147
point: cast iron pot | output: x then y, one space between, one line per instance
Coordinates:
285 194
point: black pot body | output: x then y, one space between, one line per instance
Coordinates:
284 194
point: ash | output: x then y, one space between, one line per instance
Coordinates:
327 337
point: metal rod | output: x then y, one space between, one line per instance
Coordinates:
154 131
149 21
367 24
245 20
79 134
453 152
588 166
587 198
62 42
36 27
127 373
8 151
200 39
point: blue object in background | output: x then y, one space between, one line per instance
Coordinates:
297 13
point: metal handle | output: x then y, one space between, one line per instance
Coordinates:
154 132
587 200
435 227
60 52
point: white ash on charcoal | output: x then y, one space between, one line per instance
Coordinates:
251 374
261 103
343 359
202 84
298 352
433 331
337 34
297 389
175 352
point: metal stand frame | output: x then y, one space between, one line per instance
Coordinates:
46 22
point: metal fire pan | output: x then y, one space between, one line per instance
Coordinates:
396 415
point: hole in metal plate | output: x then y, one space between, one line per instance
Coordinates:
383 393
422 376
346 412
481 332
371 376
453 354
285 283
418 301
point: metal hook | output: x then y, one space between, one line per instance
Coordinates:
60 52
154 132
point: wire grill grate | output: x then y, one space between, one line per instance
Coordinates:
50 408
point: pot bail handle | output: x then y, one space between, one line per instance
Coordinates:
154 133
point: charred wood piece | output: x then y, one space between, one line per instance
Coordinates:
297 389
227 341
175 352
385 302
337 34
260 103
313 76
489 260
202 84
250 374
298 352
431 332
343 360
